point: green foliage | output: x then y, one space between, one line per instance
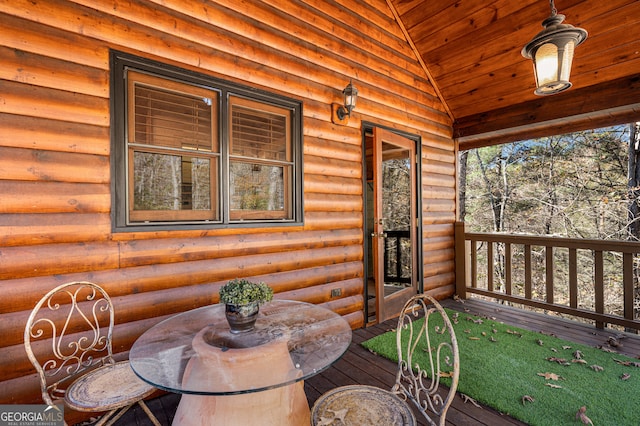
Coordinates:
573 185
241 291
500 365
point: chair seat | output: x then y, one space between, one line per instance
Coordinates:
361 405
106 388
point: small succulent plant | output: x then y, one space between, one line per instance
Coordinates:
241 291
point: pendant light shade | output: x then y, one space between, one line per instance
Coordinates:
552 53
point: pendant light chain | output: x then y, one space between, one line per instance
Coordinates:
554 11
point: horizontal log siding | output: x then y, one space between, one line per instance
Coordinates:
55 143
439 198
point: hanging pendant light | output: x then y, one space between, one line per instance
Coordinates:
552 53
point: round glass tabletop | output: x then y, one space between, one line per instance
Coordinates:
195 353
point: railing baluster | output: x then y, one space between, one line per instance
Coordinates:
599 285
527 271
507 267
398 237
490 266
573 278
548 251
474 264
627 284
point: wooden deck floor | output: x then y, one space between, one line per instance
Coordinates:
359 366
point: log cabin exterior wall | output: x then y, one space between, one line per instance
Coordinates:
55 178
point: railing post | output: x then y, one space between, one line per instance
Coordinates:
460 260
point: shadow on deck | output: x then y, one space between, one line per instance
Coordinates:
359 366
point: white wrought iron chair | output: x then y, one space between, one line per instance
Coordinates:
68 341
358 405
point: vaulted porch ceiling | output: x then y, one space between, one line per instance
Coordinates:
471 50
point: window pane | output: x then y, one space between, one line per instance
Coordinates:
191 150
257 191
258 134
172 119
171 182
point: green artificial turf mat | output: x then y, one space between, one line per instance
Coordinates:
501 364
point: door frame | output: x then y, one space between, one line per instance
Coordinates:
367 129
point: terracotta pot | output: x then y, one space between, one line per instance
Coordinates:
241 318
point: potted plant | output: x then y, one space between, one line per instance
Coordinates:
242 299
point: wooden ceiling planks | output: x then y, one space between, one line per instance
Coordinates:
472 48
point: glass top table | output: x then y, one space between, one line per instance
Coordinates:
194 352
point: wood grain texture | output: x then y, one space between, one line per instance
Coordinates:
55 145
472 52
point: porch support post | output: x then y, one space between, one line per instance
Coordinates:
460 260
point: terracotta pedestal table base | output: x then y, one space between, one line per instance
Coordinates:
221 361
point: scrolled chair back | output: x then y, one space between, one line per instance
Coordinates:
68 332
425 332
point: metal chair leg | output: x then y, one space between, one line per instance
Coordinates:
146 409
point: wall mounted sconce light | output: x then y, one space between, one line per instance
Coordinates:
341 113
552 53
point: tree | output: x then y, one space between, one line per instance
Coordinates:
569 185
634 182
572 185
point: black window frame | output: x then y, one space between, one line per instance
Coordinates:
120 63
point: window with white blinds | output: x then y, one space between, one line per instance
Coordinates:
260 161
172 151
193 151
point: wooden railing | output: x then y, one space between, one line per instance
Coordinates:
394 252
512 267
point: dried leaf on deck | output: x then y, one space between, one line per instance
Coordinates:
612 341
627 363
527 398
551 376
515 333
560 361
466 399
580 415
